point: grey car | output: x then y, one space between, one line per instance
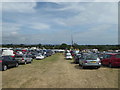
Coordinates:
90 60
23 59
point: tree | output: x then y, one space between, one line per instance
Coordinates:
76 46
63 46
40 45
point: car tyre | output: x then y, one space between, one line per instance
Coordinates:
5 67
75 62
97 67
25 63
16 65
82 67
30 62
110 65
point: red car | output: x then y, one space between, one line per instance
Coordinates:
111 59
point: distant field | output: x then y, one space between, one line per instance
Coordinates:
56 72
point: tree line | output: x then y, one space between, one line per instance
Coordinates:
65 46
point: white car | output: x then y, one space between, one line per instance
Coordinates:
68 57
39 57
68 54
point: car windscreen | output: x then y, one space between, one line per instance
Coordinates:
117 56
79 56
91 57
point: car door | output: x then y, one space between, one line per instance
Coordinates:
81 59
29 59
12 61
7 61
106 59
116 59
25 57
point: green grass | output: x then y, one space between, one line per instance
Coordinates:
25 74
41 64
52 58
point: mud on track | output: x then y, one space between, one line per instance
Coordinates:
56 72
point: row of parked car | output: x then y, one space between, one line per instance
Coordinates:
95 59
17 57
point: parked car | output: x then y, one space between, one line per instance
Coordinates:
23 59
111 59
39 57
7 61
49 53
68 56
76 58
33 54
89 60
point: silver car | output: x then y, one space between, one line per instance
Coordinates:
90 60
23 59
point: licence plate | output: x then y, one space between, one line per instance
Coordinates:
93 61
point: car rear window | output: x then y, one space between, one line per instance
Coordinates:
1 58
91 57
117 56
68 55
18 56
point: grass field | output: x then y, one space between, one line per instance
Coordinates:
56 72
24 74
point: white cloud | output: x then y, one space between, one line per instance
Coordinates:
9 29
14 33
39 26
22 7
60 0
88 13
97 35
101 17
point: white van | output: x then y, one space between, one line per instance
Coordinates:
8 52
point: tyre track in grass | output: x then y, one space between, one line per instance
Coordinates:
61 73
25 74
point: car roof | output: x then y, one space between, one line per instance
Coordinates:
113 53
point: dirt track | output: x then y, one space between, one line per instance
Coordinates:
59 73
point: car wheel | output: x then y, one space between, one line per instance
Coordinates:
82 67
97 67
5 67
16 65
75 61
110 65
25 62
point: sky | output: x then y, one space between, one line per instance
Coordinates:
90 23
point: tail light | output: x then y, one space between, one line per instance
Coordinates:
22 58
14 52
13 56
85 61
0 61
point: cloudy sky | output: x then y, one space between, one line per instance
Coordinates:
55 22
